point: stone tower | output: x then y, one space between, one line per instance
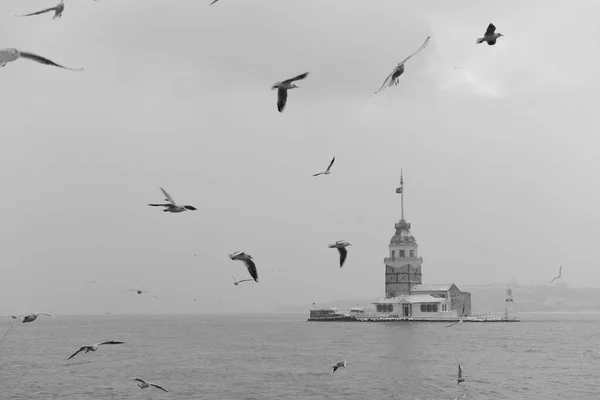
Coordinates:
403 266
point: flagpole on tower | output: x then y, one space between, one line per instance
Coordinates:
401 191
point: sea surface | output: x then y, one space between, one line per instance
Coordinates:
545 356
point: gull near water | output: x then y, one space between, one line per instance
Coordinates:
392 78
460 375
243 280
171 206
341 364
283 87
142 384
9 55
247 259
460 321
25 319
559 274
327 171
92 347
58 10
490 36
341 246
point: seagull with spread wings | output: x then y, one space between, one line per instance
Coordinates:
144 384
243 280
559 274
341 364
341 246
58 10
327 171
25 319
490 36
392 78
171 206
9 55
213 2
92 347
283 87
460 375
247 260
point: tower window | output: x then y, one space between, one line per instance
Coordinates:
393 253
412 253
401 253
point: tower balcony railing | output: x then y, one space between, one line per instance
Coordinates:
392 259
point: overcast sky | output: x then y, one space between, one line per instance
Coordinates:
498 144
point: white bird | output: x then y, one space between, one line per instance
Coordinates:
283 87
58 10
327 171
243 280
92 347
341 364
171 206
144 384
490 36
392 78
459 322
9 55
341 246
559 274
25 319
247 259
460 375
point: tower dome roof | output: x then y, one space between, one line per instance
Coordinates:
402 234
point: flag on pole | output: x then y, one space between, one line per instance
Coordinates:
399 190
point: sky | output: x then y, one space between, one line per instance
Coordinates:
497 145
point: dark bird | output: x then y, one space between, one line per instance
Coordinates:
341 246
92 347
327 171
283 87
247 259
341 364
9 55
143 384
58 10
490 36
460 375
559 274
171 206
392 78
213 2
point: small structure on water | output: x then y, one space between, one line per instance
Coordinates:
406 297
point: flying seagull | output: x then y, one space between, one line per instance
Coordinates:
460 373
341 246
460 321
559 274
341 364
283 87
247 259
25 319
143 384
327 171
392 78
58 10
238 282
8 55
140 291
489 36
213 2
171 206
92 347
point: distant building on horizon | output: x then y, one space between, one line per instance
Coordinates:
405 294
